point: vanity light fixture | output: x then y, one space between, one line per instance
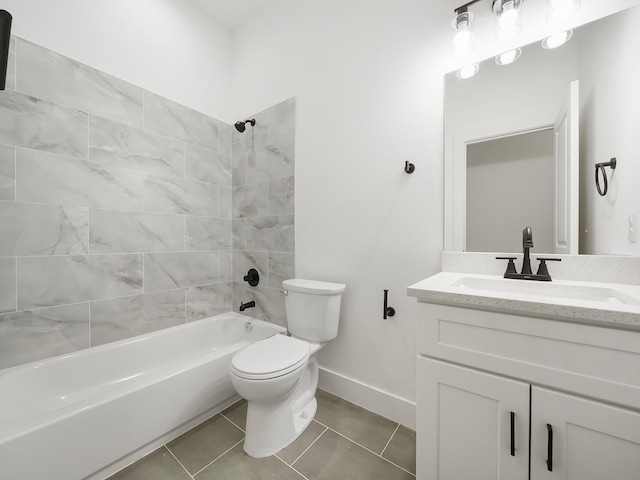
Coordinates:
560 10
5 38
468 71
508 57
557 39
508 19
462 25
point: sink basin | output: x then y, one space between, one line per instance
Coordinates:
557 290
608 304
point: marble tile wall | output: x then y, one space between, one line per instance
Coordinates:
116 213
263 209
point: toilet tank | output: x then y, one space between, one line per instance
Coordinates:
313 308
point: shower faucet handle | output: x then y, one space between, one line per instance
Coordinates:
252 277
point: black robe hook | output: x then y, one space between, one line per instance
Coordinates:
409 167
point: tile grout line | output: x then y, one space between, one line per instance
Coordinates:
232 422
179 462
311 445
367 449
291 466
219 456
389 441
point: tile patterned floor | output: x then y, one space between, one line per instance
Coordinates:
343 441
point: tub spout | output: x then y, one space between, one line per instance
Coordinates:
244 306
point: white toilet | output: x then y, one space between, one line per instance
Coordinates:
278 376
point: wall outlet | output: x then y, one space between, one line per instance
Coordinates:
632 230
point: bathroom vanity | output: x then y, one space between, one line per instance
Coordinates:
519 379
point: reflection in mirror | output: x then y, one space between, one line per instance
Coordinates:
511 177
490 199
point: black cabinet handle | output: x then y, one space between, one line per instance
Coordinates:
513 434
549 448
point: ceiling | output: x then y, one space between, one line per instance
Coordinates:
230 13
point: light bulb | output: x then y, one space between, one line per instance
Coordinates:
561 9
557 39
462 43
509 16
462 37
508 57
468 71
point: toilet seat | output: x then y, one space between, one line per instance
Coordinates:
270 358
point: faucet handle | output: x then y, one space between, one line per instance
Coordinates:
542 268
511 266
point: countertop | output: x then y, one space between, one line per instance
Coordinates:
603 304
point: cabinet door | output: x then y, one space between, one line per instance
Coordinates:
587 440
464 424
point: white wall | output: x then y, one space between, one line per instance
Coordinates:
166 46
368 81
610 122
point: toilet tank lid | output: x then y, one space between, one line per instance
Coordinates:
313 286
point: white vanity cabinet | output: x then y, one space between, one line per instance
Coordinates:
500 395
588 439
465 422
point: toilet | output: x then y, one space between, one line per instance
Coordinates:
278 376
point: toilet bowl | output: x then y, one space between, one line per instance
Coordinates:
278 376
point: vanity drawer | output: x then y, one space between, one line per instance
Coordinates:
595 361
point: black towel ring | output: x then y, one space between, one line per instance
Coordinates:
600 167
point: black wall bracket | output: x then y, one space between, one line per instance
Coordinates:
388 311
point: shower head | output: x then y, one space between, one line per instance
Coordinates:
241 126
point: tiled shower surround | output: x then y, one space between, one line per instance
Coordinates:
122 212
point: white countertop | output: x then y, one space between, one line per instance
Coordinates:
605 304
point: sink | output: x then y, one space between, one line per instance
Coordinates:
492 285
607 304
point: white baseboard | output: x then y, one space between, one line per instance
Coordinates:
383 403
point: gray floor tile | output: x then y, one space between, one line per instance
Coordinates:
358 424
204 443
333 456
237 413
402 449
292 452
236 465
158 465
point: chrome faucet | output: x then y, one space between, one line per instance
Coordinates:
527 243
526 274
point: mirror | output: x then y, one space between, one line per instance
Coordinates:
522 141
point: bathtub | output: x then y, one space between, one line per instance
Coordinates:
90 413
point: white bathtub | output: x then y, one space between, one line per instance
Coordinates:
90 413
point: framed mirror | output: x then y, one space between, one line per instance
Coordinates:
522 141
